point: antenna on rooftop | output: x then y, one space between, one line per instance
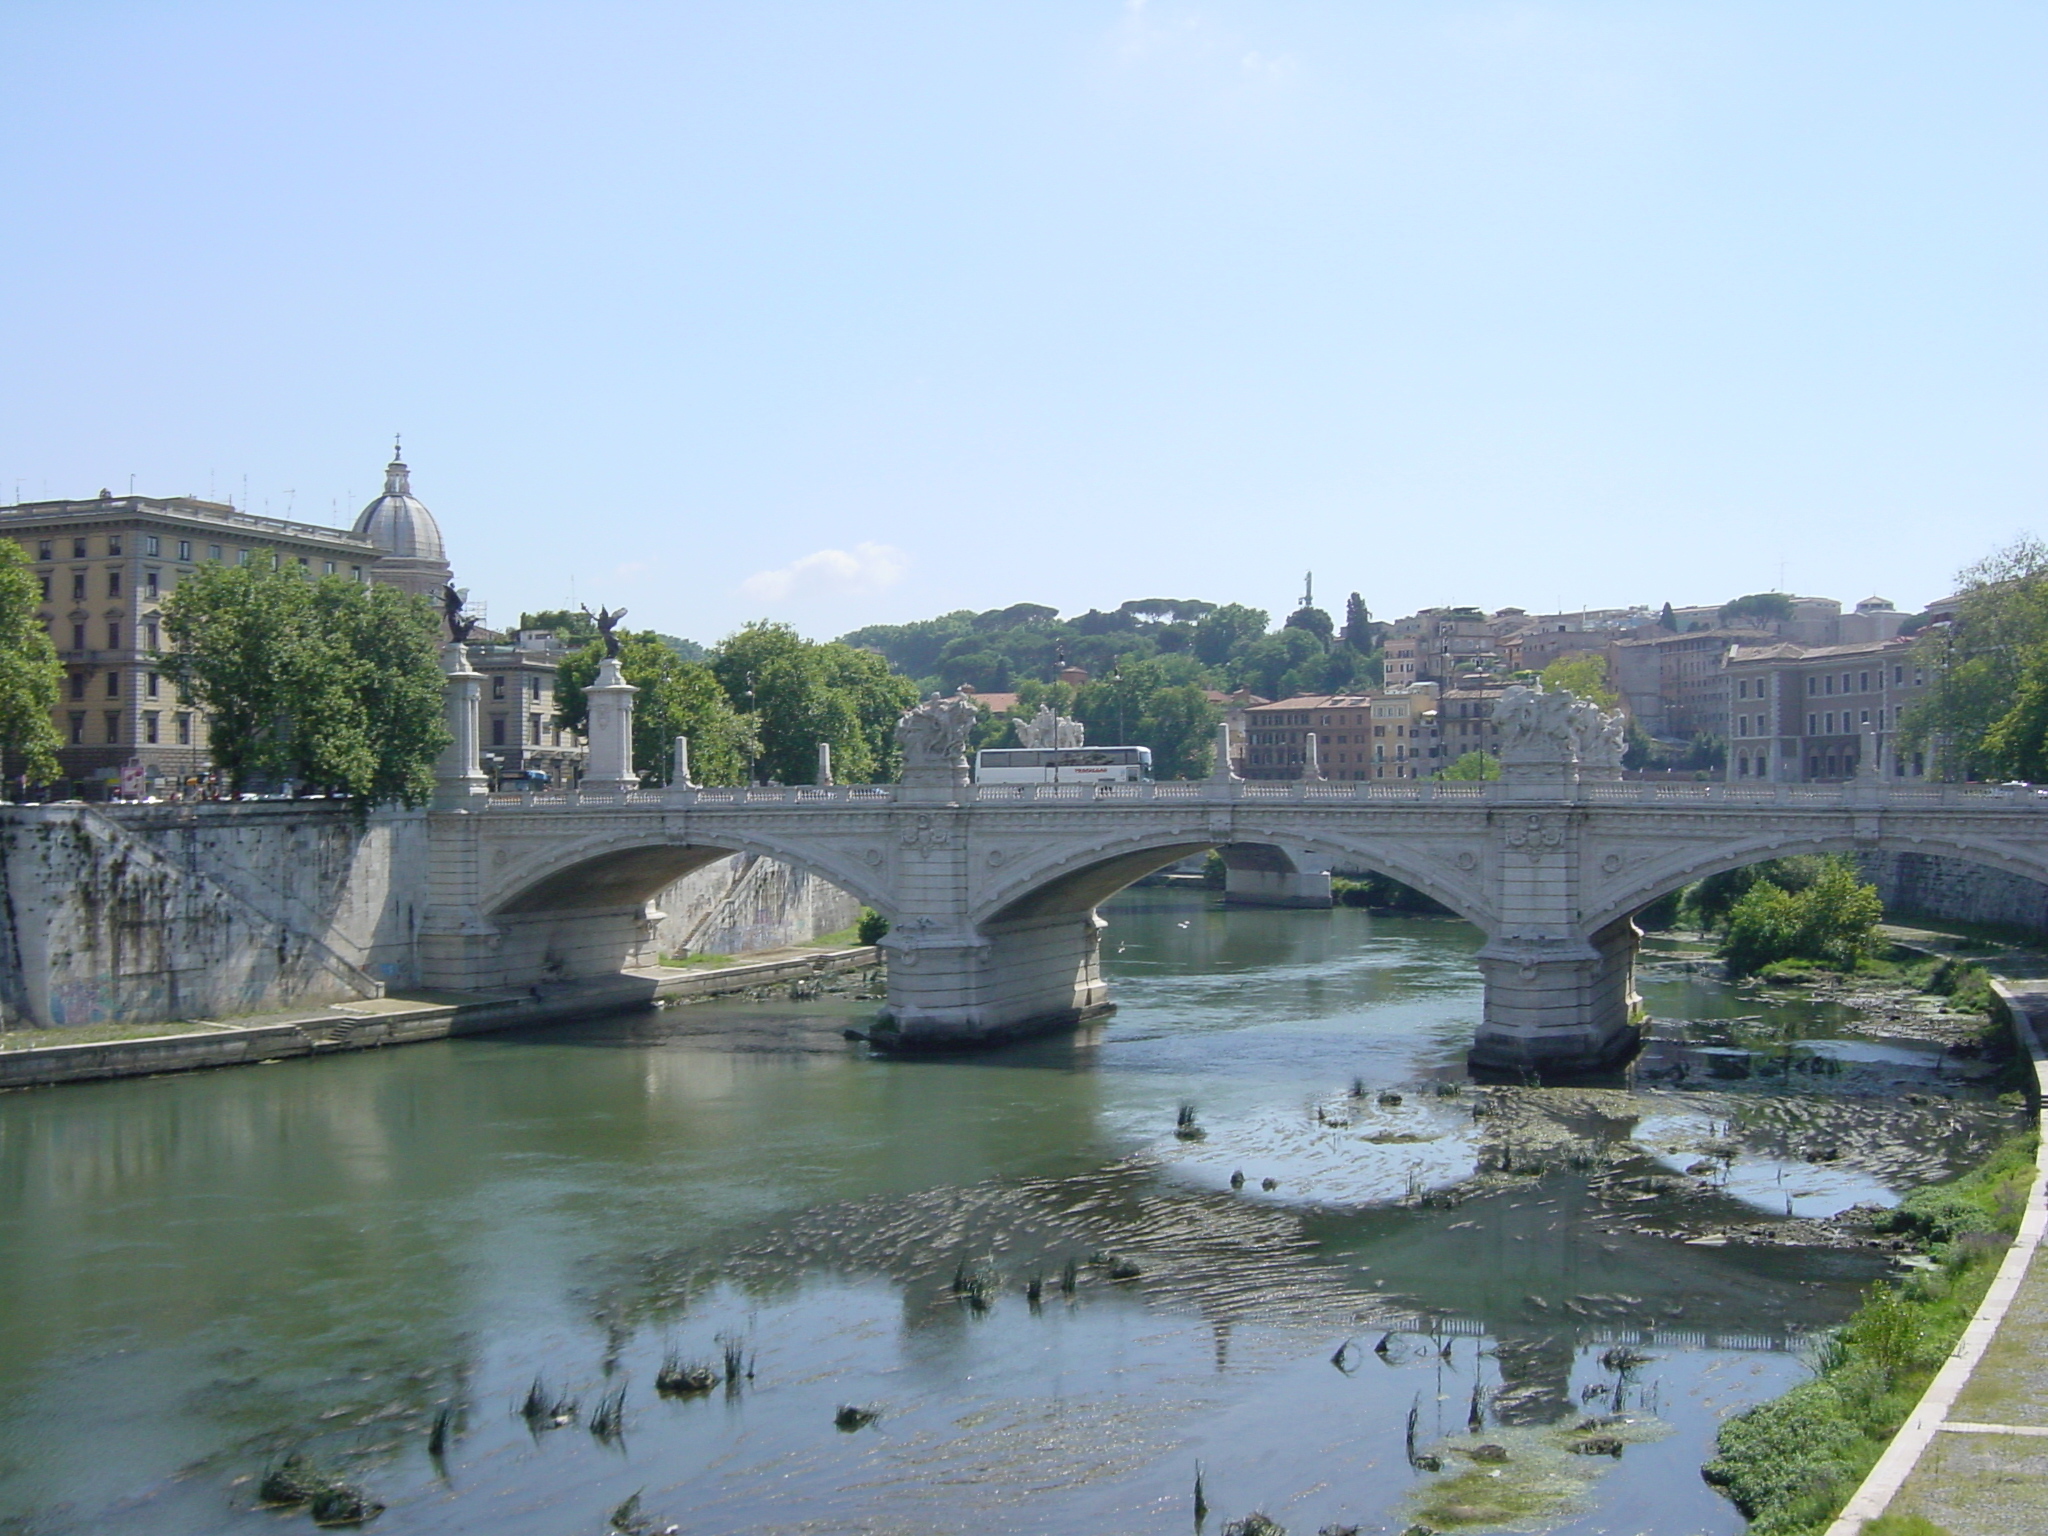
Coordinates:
1308 590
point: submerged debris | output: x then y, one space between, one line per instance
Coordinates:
1255 1524
852 1416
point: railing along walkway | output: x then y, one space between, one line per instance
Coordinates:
1300 792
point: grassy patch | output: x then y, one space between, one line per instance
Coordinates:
842 938
1903 1525
1789 1464
684 962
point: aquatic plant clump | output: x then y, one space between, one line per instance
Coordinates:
1517 1475
684 1378
853 1416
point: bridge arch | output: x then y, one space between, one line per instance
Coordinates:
608 870
1072 882
1683 866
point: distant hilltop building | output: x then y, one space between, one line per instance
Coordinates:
105 564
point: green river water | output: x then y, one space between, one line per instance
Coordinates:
202 1273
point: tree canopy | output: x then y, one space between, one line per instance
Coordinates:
1760 608
30 675
330 684
1585 674
798 693
1987 708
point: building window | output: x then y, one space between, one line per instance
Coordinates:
155 681
1812 686
113 726
78 549
1813 767
78 685
1813 725
1831 721
113 634
1863 717
152 545
1863 682
497 730
113 685
114 544
184 730
149 726
150 640
533 729
46 588
113 583
213 553
241 557
43 551
185 549
1898 676
78 637
78 586
1742 766
149 584
534 690
328 568
498 687
1742 725
78 727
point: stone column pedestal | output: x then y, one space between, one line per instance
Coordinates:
956 991
1559 1008
459 782
608 768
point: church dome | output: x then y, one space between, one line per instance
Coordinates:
398 523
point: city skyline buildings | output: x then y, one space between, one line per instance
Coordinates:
871 314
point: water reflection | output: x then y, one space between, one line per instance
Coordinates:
204 1271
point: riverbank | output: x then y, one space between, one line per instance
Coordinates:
1934 1356
398 1019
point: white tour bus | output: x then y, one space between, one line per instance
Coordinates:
1063 765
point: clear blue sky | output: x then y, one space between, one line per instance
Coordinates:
866 311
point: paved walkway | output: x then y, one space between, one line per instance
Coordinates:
1973 1458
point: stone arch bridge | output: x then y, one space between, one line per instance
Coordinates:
991 890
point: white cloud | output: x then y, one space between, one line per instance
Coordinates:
830 573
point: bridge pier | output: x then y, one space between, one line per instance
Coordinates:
1274 875
1559 1008
950 991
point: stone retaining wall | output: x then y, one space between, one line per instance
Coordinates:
1926 885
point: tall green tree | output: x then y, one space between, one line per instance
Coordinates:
676 698
800 692
30 676
1358 626
333 685
1988 666
1156 703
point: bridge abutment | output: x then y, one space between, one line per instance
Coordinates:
1559 1008
1275 875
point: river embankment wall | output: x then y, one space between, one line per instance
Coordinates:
150 913
1927 885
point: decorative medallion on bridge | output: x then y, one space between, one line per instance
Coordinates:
926 838
1537 836
874 856
1466 860
995 858
1611 864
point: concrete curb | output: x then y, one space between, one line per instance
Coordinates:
349 1028
1930 1414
